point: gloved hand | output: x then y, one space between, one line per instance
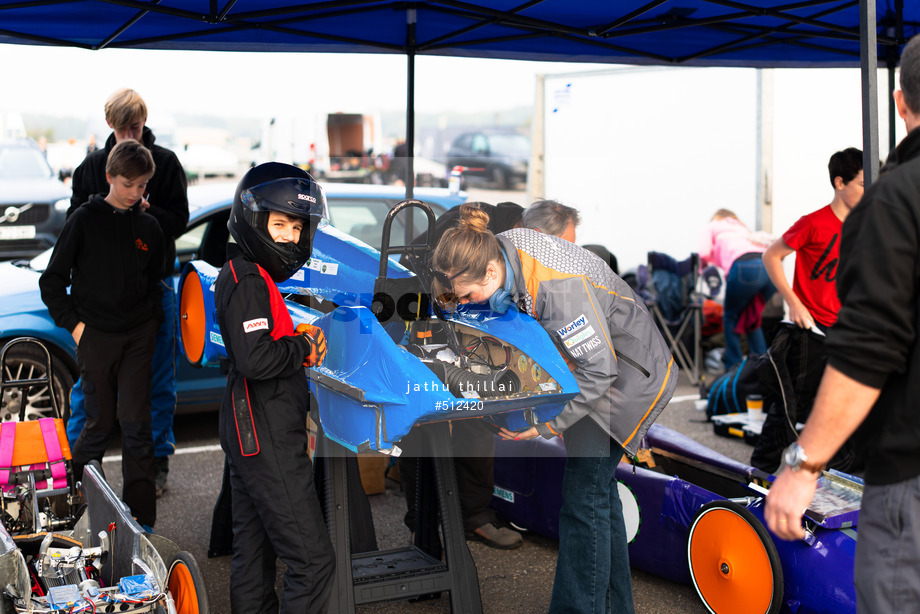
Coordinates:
317 339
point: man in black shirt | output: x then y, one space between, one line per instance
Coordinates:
872 380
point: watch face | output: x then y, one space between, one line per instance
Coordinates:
791 458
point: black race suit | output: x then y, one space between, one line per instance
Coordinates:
263 432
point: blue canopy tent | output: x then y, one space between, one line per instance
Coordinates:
765 33
755 33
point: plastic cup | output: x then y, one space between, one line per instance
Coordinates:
755 407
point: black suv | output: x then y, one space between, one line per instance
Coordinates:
33 201
496 157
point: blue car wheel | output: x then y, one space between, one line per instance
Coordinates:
23 362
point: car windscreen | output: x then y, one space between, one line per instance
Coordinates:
23 163
363 219
509 145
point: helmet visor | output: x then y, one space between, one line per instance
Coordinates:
294 196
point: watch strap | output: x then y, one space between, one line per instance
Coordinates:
801 460
812 467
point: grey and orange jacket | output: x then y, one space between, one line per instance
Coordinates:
624 369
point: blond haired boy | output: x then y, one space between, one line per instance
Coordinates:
166 200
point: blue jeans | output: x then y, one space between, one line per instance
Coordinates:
592 570
745 280
163 395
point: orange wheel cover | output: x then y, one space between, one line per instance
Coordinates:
192 320
729 564
183 589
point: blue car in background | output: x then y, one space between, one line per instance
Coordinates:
355 209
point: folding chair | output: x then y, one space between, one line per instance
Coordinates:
673 300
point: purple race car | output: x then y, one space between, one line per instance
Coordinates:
694 515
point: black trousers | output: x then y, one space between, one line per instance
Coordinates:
360 519
276 514
791 383
115 369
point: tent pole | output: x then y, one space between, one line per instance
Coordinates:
868 62
536 178
892 112
410 127
410 102
763 215
410 120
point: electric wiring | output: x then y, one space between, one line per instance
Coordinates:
59 565
477 343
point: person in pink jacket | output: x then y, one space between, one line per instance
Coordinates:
726 242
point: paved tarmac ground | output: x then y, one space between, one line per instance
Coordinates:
518 581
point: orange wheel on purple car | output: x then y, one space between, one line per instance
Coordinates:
733 561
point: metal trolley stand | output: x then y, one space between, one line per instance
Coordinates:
402 573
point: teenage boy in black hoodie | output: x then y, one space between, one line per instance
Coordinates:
167 201
111 254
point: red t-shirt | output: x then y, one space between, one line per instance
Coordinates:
816 241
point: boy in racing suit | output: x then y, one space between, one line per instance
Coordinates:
263 432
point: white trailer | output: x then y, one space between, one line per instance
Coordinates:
649 154
320 141
291 139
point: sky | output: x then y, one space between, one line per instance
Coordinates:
814 113
76 82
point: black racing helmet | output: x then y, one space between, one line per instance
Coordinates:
274 186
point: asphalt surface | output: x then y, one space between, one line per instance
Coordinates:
516 581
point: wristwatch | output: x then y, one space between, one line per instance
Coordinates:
796 459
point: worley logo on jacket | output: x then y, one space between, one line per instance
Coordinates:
573 326
254 325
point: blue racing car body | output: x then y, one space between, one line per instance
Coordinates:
356 209
380 376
